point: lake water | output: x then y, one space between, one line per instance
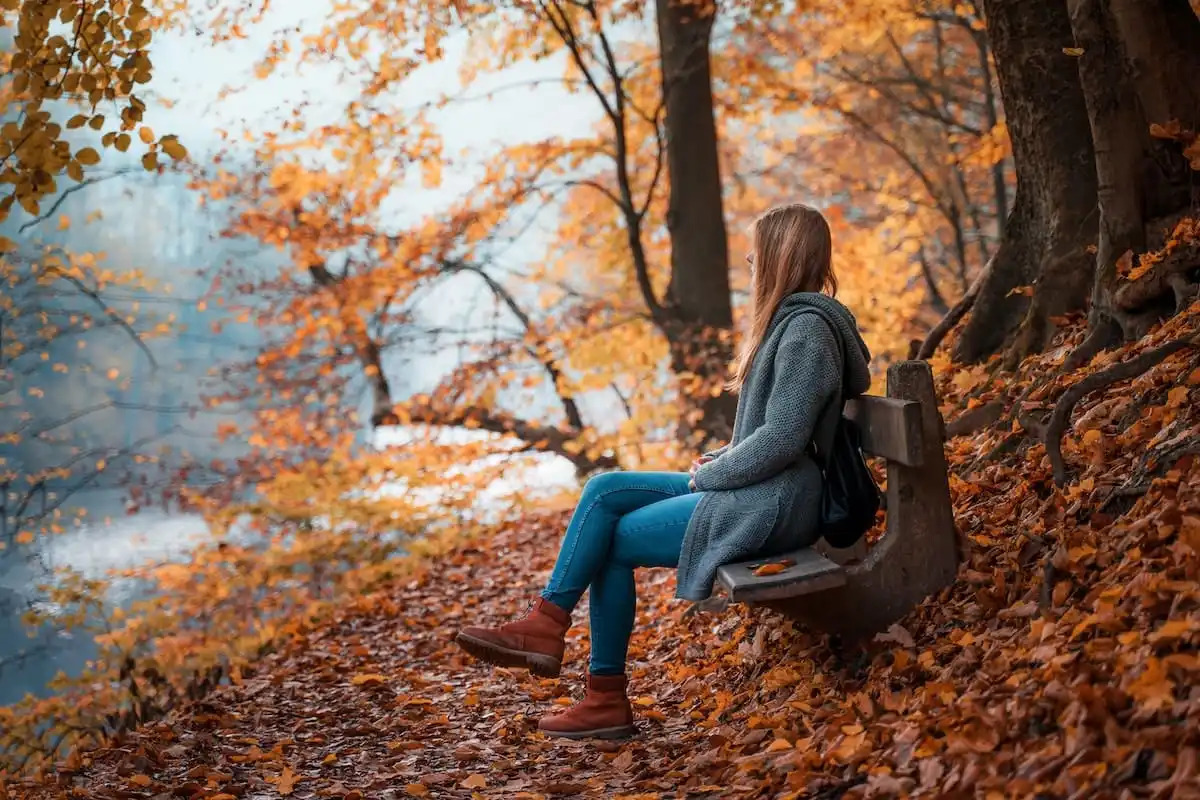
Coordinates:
93 549
121 541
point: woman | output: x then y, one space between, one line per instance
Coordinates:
757 496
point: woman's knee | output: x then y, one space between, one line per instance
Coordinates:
605 482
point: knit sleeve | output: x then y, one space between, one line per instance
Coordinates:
805 380
716 453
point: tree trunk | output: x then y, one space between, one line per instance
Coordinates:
1053 220
697 308
1134 56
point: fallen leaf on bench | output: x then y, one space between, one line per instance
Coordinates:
774 568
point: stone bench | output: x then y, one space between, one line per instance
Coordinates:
859 592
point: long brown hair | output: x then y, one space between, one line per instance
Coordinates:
793 252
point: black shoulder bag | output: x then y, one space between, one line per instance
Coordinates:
850 497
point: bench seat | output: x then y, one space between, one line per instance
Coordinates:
808 572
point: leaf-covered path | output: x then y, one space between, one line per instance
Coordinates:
1065 661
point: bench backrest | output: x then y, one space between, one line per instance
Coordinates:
891 428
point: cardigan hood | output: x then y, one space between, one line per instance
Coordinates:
857 375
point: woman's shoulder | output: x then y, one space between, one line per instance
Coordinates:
808 326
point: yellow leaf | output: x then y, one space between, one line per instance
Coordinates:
150 161
87 156
1073 51
146 134
1177 397
173 148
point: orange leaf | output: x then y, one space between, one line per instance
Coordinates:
371 678
141 780
774 568
417 789
474 781
287 782
1153 687
1174 629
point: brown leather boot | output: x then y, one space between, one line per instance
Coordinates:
604 712
534 642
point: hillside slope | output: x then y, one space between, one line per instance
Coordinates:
1063 662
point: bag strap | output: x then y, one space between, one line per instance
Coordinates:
838 402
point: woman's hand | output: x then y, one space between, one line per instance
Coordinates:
699 462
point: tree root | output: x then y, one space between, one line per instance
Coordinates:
1100 336
975 419
1168 275
1099 380
954 315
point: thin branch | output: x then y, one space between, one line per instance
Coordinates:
71 190
947 323
112 315
568 36
570 406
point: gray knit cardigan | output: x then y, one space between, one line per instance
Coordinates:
762 492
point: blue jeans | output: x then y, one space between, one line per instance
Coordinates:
624 520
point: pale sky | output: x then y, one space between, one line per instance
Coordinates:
192 71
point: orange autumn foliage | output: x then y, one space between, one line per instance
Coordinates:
1062 660
889 125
